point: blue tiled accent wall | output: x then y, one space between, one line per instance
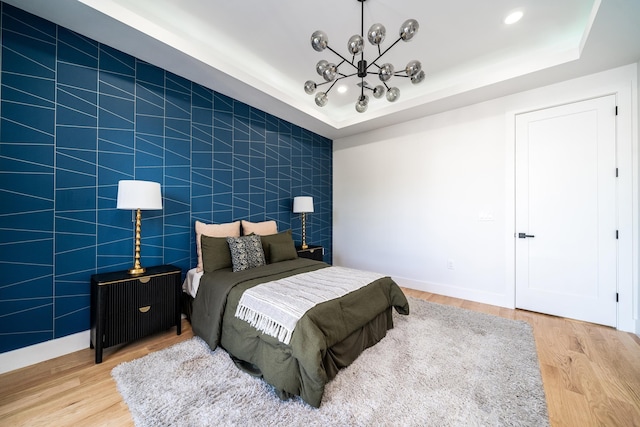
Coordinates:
76 117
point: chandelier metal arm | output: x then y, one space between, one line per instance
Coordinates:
385 51
362 22
344 76
333 83
343 58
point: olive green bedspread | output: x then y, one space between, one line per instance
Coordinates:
328 337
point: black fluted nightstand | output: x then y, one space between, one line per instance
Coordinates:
126 307
312 252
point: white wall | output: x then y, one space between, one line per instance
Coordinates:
636 203
411 199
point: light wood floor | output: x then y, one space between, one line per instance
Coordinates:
591 376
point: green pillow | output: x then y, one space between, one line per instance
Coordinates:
282 251
282 237
215 253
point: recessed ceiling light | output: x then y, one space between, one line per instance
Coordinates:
513 17
342 88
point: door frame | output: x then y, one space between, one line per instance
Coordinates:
595 86
581 248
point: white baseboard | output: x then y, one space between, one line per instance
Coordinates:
37 353
483 297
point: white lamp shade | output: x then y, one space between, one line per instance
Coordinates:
133 194
302 204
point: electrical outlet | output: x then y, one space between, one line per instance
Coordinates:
485 216
450 264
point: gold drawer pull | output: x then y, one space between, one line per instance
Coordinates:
145 309
144 279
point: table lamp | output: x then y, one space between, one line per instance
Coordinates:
303 205
138 195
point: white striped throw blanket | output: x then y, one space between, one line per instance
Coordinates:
274 308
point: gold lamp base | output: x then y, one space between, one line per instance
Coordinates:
137 268
304 232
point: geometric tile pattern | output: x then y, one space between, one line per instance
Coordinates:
76 117
75 182
27 179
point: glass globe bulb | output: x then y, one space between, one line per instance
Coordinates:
309 87
329 72
418 78
386 71
321 99
413 68
376 34
321 65
378 91
408 29
393 94
362 104
355 44
319 40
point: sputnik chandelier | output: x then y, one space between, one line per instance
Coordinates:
376 34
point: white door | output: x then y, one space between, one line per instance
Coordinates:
565 240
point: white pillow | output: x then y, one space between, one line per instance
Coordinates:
230 229
260 228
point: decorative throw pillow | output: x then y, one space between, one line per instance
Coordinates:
246 252
259 228
282 252
215 253
282 237
214 230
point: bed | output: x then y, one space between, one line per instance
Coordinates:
328 337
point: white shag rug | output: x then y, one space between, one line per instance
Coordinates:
439 366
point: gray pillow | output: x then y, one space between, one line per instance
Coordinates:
246 252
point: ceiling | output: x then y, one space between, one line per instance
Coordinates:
259 52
